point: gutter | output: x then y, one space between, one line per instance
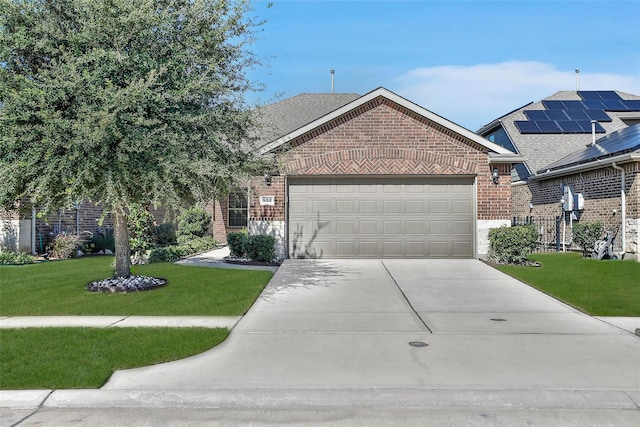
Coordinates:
623 202
496 158
625 158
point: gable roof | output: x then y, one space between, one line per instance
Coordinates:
286 116
500 153
542 149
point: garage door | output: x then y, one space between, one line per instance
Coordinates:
381 217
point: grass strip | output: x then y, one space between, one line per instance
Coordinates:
66 358
596 287
57 288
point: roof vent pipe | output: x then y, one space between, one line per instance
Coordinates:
593 132
332 74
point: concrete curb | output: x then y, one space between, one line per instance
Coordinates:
325 398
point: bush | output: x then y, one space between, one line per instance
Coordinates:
16 258
164 234
237 242
199 245
261 248
192 222
141 224
166 254
65 246
175 252
585 235
512 245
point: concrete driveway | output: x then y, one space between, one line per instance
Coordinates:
348 324
328 343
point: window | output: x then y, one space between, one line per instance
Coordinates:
238 208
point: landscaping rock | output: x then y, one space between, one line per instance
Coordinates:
126 284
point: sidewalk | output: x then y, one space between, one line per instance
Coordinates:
11 322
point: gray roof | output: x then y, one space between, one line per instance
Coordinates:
286 116
541 150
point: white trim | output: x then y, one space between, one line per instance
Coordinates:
398 100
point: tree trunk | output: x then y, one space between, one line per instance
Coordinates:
123 252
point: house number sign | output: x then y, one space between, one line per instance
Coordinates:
267 200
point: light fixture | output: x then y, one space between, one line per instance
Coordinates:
495 175
267 178
530 206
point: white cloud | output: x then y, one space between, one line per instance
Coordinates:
474 95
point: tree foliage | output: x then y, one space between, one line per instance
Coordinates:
123 102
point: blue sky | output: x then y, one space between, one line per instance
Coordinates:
469 61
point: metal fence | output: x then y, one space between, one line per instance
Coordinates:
549 231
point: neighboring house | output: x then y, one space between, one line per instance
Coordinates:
372 176
586 143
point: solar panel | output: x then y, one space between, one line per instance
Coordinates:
547 126
589 94
622 141
536 114
577 114
570 126
553 105
573 105
556 115
609 94
632 105
598 115
586 126
613 105
593 104
527 127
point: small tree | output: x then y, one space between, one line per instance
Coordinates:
585 235
123 102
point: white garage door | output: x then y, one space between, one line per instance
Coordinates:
381 217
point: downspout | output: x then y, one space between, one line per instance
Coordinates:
623 211
34 251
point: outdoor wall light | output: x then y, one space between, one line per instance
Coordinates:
495 176
267 178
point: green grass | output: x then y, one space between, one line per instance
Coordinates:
57 358
54 358
58 288
596 287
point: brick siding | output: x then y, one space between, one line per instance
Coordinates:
383 138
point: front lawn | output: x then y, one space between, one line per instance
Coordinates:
596 287
52 358
56 358
57 288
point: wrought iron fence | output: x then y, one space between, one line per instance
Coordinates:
549 231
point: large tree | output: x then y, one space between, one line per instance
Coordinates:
123 102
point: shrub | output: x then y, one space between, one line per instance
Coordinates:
16 258
164 234
65 246
175 252
585 235
199 245
237 242
261 248
166 254
141 224
192 222
512 245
